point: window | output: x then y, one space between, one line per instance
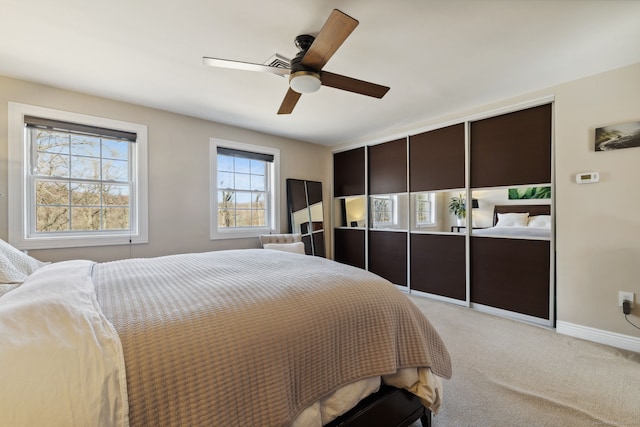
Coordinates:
75 180
425 209
244 191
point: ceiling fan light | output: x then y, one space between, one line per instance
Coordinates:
305 81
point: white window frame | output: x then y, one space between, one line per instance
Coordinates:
393 221
21 208
274 191
433 219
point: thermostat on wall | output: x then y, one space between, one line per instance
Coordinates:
587 177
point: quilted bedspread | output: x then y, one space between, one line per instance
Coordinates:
251 337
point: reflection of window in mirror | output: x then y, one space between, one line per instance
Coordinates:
425 205
383 211
300 221
316 213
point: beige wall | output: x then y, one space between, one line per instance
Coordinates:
598 225
178 171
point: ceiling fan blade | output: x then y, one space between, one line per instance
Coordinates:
352 85
331 36
289 102
247 66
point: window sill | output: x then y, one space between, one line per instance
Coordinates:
58 242
225 235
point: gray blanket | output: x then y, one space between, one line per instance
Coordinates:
251 337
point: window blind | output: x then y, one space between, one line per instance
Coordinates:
245 154
77 128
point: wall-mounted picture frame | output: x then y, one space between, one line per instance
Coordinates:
615 137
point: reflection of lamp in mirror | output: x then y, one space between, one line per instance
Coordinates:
355 209
474 205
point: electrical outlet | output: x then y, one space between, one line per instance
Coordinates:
622 296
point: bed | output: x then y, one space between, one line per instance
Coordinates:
240 337
519 221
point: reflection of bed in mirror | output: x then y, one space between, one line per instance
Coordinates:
520 221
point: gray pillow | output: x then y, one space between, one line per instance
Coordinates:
15 265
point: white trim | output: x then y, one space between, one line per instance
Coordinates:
469 218
549 99
404 289
274 199
552 212
18 230
511 314
437 297
613 339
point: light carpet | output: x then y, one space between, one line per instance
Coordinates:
509 373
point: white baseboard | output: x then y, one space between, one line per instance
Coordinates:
512 315
597 335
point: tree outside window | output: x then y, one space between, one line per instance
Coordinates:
80 182
242 192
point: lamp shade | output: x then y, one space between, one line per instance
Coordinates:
305 81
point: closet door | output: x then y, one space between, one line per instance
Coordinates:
348 173
511 155
512 149
436 159
511 274
388 207
350 207
349 247
437 243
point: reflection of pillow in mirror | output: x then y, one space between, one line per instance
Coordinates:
540 221
512 219
297 247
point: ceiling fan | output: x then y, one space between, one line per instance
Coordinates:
305 72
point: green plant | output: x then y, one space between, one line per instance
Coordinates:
457 206
530 193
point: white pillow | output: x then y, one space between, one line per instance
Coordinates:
512 219
15 265
6 287
297 247
540 221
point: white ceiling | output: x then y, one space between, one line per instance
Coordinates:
438 57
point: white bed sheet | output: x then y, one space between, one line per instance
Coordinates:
527 232
420 381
